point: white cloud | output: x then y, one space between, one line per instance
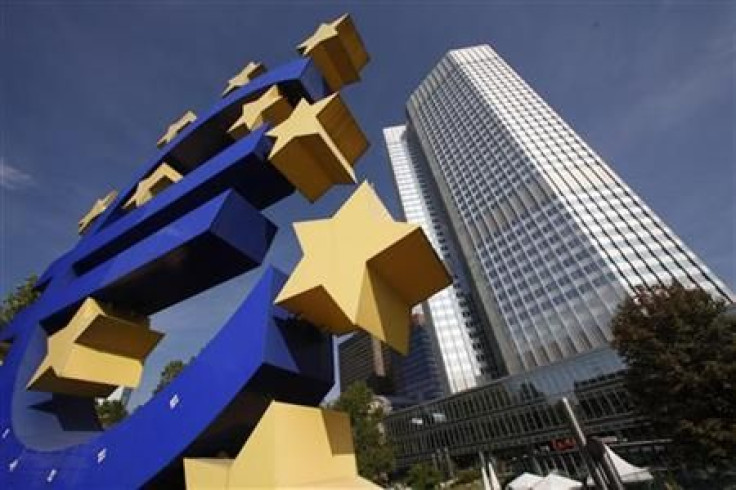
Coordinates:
12 178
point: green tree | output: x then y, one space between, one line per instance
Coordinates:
110 412
681 354
422 476
169 372
373 452
15 301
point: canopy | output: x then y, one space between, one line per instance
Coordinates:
557 482
627 471
525 481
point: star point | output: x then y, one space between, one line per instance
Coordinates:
271 107
362 269
175 128
97 351
337 50
161 178
248 73
95 211
292 446
317 146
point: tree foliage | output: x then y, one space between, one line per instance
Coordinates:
373 452
423 476
169 372
110 412
681 352
15 301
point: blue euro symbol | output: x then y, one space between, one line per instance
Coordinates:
204 230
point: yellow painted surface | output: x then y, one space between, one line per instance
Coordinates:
248 73
339 123
206 473
271 107
160 179
317 146
96 210
292 446
175 128
338 51
97 351
362 269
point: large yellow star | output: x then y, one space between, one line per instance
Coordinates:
338 51
362 269
147 188
317 146
248 73
97 351
175 128
97 209
271 107
291 447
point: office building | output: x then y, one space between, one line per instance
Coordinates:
365 358
516 421
456 328
418 376
543 238
403 380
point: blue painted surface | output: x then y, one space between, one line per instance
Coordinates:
197 233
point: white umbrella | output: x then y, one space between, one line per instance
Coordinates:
626 471
557 482
525 481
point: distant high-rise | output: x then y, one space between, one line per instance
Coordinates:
418 376
542 237
402 379
364 358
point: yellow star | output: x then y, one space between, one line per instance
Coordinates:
97 351
362 269
292 446
96 210
160 179
251 70
175 128
317 146
271 107
338 51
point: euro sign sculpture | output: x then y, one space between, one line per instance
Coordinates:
191 219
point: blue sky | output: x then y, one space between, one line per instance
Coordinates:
88 88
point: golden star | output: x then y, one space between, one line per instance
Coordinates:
271 107
338 51
175 128
96 210
97 351
317 146
251 70
160 179
362 269
292 446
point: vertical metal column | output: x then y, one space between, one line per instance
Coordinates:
577 432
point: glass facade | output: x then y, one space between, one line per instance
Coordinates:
516 419
551 238
418 375
455 325
363 357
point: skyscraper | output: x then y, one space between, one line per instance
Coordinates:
543 238
456 326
